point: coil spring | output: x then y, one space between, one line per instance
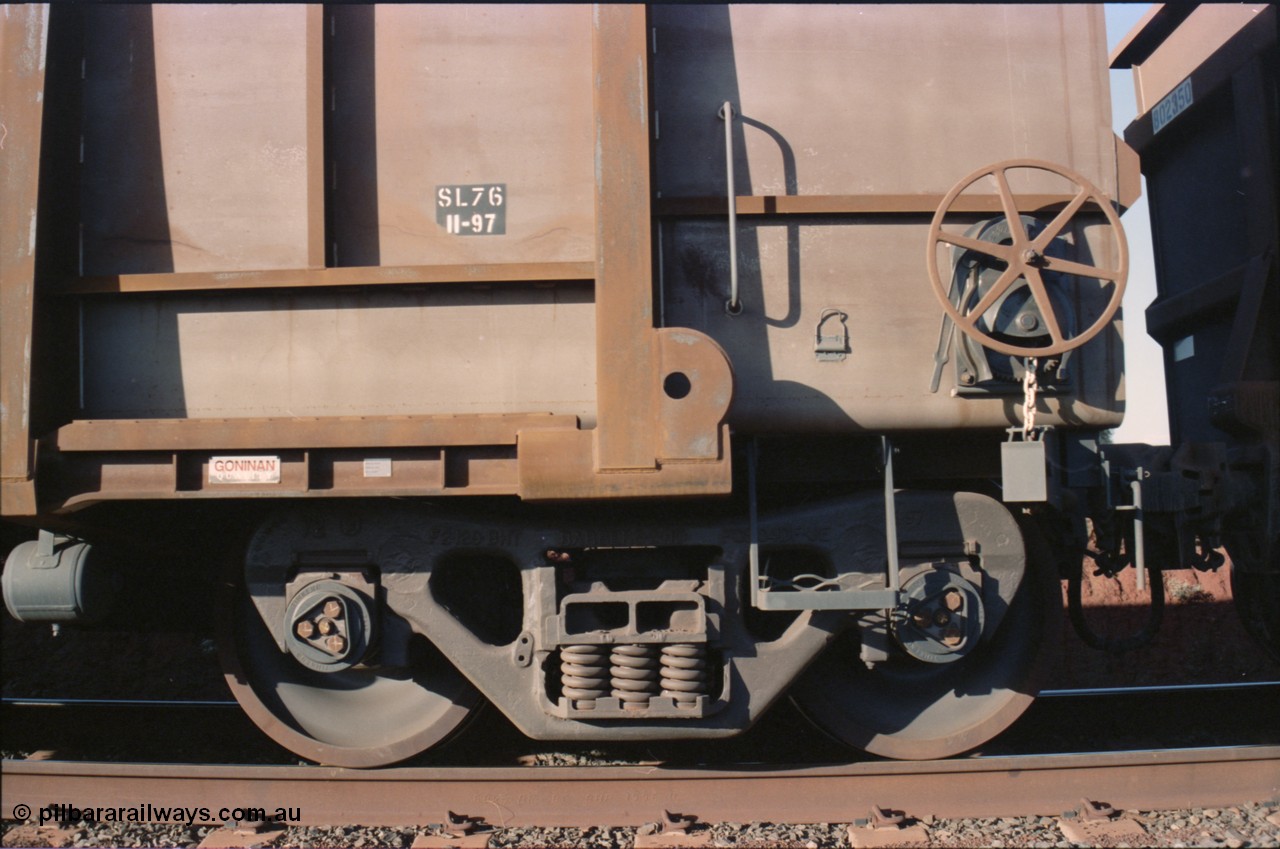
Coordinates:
634 674
584 674
684 672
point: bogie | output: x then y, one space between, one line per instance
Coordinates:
621 629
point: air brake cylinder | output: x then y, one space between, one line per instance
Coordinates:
56 579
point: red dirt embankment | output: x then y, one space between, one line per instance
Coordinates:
1201 641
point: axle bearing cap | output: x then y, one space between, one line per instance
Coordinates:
323 642
941 617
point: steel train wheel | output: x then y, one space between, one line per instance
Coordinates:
908 709
359 717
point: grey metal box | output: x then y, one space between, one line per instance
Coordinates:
1025 471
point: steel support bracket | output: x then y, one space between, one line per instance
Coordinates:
1094 822
886 827
671 833
878 598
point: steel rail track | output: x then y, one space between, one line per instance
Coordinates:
622 796
1157 689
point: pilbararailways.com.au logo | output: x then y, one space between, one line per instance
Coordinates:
146 812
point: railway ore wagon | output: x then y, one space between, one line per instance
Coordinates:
626 368
1207 78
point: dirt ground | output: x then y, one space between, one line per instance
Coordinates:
1200 642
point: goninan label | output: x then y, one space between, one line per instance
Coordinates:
244 470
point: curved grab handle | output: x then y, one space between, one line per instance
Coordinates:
733 306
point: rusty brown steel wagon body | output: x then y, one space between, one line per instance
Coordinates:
740 324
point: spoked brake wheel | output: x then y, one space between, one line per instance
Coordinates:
357 717
907 709
1026 258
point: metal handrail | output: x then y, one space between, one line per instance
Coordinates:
733 306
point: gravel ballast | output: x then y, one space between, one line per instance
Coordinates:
1247 825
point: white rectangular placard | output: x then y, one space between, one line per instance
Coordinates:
377 467
244 470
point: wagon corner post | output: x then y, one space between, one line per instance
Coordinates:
23 32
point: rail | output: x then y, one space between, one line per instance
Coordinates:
632 795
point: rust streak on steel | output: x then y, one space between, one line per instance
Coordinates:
315 136
624 295
327 432
23 34
187 281
585 796
869 204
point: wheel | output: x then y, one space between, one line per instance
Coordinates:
907 708
355 717
1025 258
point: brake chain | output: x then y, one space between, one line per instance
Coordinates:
1030 386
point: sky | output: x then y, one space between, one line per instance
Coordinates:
1146 416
